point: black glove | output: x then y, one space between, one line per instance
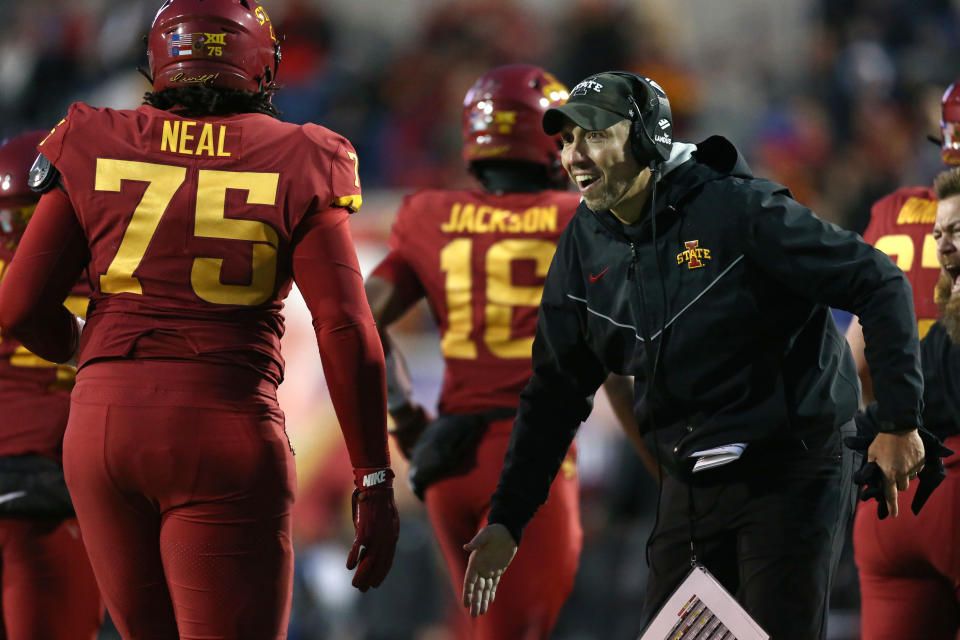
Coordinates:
869 477
933 472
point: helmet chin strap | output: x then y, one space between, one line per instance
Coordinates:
146 74
266 81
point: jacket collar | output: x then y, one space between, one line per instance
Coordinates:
680 152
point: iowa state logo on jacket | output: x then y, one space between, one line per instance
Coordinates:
693 255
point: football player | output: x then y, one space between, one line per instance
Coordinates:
43 565
908 593
194 214
480 257
900 226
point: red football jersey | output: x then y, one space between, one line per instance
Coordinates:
34 393
481 259
901 225
190 223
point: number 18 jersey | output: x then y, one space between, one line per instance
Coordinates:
191 223
481 260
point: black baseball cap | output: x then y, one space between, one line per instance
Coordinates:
600 101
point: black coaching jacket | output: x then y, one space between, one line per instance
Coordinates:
718 307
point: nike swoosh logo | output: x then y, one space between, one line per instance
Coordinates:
594 278
13 495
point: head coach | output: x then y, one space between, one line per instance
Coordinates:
711 287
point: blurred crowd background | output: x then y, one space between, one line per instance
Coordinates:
834 98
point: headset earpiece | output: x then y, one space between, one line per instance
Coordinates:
640 151
651 128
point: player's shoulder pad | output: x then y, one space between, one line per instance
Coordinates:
894 198
889 205
421 196
43 175
423 202
324 138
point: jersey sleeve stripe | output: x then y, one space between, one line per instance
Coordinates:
352 202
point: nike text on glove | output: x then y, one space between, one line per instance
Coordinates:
869 477
377 527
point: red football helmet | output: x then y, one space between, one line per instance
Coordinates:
950 125
502 113
228 44
17 201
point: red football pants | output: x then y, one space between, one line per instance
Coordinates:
183 480
909 566
540 578
48 587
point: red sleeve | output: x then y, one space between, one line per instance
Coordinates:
341 187
49 260
397 270
327 273
395 267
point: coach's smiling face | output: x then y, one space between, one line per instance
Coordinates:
602 166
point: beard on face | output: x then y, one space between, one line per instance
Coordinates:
616 187
949 306
611 192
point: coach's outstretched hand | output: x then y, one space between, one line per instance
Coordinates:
900 458
377 527
491 551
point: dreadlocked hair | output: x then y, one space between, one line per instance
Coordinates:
199 101
517 176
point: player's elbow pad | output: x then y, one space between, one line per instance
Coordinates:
43 175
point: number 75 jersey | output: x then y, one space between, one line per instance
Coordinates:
481 260
191 224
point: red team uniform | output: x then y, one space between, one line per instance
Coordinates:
908 566
900 226
480 258
43 564
193 230
905 562
34 393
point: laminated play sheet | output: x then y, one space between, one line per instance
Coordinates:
701 609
